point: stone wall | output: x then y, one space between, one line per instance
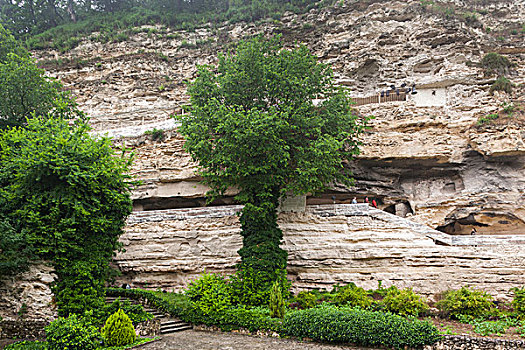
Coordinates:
458 342
327 244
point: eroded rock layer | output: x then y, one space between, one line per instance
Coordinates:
327 244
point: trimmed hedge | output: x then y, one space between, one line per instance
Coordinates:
360 327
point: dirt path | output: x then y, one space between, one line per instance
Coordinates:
202 340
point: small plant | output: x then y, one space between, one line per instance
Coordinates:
487 119
508 108
27 345
72 333
187 45
118 330
494 63
156 134
405 302
162 57
519 300
210 293
502 84
352 296
23 310
465 301
277 305
447 330
490 327
162 87
306 300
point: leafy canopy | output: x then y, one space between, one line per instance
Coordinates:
24 88
65 196
268 121
270 118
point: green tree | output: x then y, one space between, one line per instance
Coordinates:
65 193
269 122
24 88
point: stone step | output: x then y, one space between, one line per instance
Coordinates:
170 323
175 329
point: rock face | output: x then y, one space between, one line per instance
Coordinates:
327 244
425 156
29 296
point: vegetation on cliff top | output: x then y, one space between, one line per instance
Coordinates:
61 25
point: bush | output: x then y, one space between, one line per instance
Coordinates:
353 296
252 288
210 293
27 345
518 302
494 63
502 84
487 119
360 327
405 302
306 300
490 327
135 312
277 306
465 302
118 330
72 333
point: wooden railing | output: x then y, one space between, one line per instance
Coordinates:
359 101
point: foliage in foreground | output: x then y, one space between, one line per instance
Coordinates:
66 194
323 323
72 333
361 327
465 301
118 330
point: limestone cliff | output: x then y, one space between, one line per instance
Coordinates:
424 157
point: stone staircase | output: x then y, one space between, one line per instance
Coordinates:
168 324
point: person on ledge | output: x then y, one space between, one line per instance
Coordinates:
354 201
374 204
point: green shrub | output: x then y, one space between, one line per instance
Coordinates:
135 312
518 302
210 293
118 330
360 327
502 84
277 305
487 119
156 134
27 345
465 301
353 296
405 302
72 333
252 288
490 327
306 300
494 63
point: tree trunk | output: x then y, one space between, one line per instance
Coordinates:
71 11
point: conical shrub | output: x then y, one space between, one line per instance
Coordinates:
118 330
